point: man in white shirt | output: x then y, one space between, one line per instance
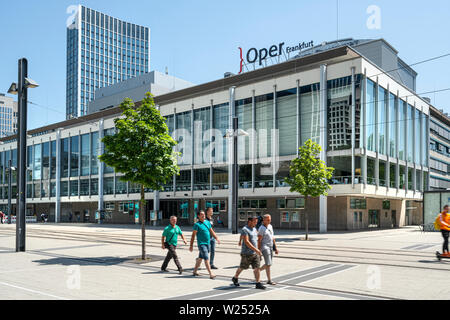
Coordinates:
266 244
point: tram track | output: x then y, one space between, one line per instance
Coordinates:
295 252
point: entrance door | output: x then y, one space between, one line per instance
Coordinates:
394 219
374 218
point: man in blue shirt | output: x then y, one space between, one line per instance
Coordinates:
203 231
169 241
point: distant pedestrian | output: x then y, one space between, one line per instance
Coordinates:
444 222
42 217
2 215
250 254
169 240
212 253
203 231
70 216
267 245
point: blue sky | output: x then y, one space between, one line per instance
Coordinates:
198 40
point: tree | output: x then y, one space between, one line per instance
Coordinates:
309 175
141 149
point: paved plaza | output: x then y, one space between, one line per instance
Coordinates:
88 261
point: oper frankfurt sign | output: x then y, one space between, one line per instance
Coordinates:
256 57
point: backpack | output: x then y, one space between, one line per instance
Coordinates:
437 222
260 221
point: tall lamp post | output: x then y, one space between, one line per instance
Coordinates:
21 89
234 133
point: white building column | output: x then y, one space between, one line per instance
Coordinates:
323 143
231 114
58 177
100 165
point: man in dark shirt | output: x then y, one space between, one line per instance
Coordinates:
250 255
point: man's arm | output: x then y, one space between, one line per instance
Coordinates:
250 245
162 242
182 237
191 247
275 245
259 241
214 235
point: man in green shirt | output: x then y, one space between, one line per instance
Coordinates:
204 232
169 241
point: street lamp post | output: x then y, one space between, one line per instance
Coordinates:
234 133
21 89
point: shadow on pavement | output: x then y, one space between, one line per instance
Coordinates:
67 261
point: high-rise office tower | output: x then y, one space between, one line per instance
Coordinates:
101 50
8 116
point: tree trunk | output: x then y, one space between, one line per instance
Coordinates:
142 214
306 222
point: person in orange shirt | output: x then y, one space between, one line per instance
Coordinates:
444 221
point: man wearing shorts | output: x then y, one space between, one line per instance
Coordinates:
250 254
266 243
203 231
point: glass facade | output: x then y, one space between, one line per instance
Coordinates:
381 120
392 125
110 50
370 115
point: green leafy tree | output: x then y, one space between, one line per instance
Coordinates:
309 175
142 150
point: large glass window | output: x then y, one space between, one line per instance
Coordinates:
45 160
339 114
64 188
371 171
310 113
382 101
94 153
183 181
370 115
382 173
201 179
220 178
65 157
121 186
244 114
245 176
402 129
94 187
53 160
402 177
282 173
37 162
201 126
74 188
109 132
184 138
221 124
417 133
263 176
264 124
392 124
84 187
287 122
108 185
410 137
410 178
424 140
74 156
342 173
85 154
